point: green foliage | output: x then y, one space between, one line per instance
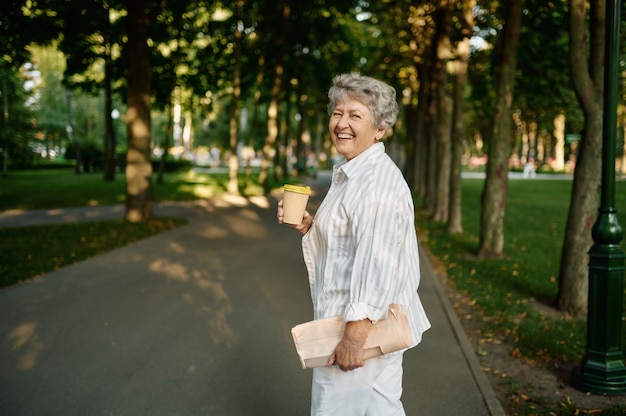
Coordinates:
51 108
91 155
16 127
22 22
89 29
27 252
173 165
41 164
543 85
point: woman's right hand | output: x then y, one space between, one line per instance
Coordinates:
307 220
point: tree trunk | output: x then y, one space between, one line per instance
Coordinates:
138 165
588 79
430 196
543 145
303 146
174 97
410 121
532 142
287 136
109 133
622 157
559 146
430 134
491 242
5 135
455 224
421 136
71 132
233 163
272 110
443 51
255 108
169 132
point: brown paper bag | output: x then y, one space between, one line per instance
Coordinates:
316 340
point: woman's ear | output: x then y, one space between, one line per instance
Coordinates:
380 133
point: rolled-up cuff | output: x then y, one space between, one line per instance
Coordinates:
360 311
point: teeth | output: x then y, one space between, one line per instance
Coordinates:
343 136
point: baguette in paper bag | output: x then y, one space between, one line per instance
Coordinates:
316 340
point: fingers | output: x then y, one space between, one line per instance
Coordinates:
331 360
279 212
346 368
303 227
346 358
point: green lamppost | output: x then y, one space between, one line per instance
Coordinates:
602 370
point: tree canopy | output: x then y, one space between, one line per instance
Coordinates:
249 79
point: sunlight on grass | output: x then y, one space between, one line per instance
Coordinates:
201 191
63 188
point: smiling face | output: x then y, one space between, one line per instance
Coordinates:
352 129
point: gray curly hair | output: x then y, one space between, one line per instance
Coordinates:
379 97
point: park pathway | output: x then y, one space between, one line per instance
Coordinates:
196 321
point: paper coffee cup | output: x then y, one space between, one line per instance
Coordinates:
295 198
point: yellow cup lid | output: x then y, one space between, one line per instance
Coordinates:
298 189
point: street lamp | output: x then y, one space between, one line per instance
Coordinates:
602 370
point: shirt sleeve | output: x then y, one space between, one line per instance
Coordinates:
378 226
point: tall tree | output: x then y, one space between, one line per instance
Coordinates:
458 128
109 131
71 129
269 147
51 105
494 192
543 89
233 163
16 126
587 68
138 163
443 101
21 22
177 25
89 36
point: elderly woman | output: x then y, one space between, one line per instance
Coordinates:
361 253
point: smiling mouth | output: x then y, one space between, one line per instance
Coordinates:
344 136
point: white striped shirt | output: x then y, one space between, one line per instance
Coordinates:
361 252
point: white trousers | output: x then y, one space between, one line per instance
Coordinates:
372 390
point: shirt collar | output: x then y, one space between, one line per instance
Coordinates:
352 166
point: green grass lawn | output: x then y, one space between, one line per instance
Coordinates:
507 290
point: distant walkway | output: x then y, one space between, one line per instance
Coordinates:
22 218
520 175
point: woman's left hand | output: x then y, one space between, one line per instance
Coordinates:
348 354
307 220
